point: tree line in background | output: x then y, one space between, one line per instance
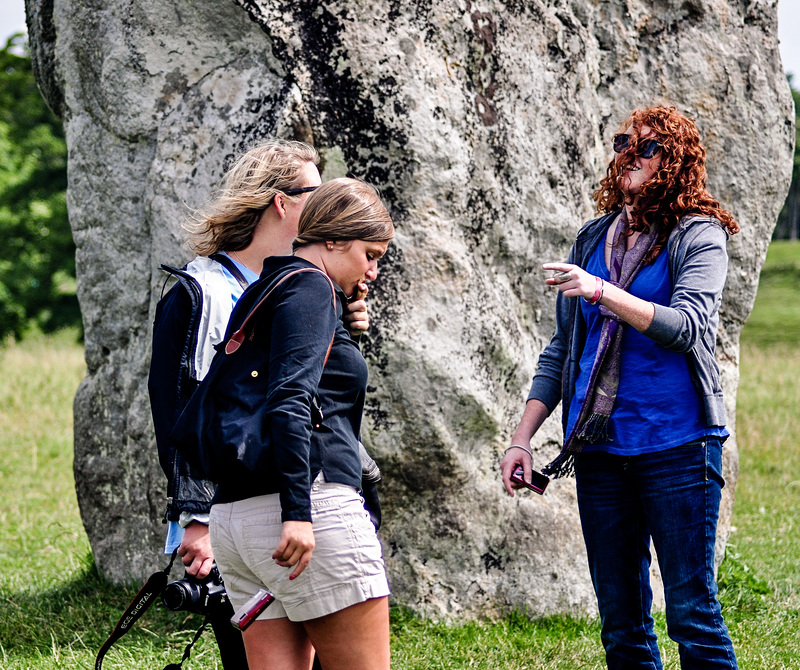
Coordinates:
37 254
788 227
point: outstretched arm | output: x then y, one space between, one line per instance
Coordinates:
635 311
696 293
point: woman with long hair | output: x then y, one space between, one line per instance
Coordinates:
296 524
632 362
253 214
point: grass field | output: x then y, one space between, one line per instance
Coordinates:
55 611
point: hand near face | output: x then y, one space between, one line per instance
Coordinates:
356 318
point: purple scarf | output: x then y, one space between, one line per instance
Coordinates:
591 426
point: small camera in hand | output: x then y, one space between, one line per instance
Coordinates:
196 595
538 481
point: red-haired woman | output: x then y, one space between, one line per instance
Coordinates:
632 360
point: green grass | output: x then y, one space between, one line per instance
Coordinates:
776 316
55 610
760 578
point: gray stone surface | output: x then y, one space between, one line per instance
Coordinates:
487 126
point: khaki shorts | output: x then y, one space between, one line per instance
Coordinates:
346 567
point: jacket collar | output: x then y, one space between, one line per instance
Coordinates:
275 266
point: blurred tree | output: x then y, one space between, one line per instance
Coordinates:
37 253
788 227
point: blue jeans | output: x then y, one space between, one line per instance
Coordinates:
672 496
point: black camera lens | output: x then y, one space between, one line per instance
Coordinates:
182 595
197 595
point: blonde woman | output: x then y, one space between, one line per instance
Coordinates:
253 215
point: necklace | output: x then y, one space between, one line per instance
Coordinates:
233 254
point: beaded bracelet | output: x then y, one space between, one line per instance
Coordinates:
600 286
519 446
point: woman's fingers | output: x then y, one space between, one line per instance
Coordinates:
356 317
562 273
302 564
295 547
559 267
513 459
571 280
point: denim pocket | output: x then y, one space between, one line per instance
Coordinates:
714 460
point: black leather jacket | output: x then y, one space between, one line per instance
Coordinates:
182 322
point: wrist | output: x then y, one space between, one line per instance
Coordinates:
187 518
520 446
597 296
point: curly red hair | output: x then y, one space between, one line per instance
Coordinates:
678 188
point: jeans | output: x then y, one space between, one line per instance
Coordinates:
671 496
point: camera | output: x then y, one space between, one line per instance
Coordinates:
247 614
538 483
198 596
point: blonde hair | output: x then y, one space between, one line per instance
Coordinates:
228 222
341 210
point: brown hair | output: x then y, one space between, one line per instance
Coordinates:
247 189
341 210
678 188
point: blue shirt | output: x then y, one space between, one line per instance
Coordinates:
657 405
236 289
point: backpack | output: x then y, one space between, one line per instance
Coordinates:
173 379
221 431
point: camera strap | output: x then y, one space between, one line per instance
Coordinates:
154 586
188 650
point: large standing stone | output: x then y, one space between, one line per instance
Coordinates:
487 126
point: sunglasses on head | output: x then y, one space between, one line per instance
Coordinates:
646 148
298 191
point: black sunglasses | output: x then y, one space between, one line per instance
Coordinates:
646 148
298 191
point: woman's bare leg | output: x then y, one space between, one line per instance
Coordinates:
355 638
277 644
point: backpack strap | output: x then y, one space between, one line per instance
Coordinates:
230 266
235 340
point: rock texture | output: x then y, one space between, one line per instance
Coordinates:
487 126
